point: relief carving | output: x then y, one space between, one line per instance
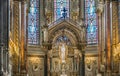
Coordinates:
91 66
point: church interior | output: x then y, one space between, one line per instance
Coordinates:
59 37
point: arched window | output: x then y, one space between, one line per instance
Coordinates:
33 22
91 22
58 7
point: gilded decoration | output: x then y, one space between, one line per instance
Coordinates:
91 66
35 65
114 23
115 40
61 61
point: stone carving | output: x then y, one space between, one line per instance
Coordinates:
91 66
35 67
56 68
70 65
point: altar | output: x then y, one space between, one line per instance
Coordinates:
63 60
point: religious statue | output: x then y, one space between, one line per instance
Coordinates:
62 50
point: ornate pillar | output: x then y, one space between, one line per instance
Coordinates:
4 27
1 64
16 36
114 21
108 37
99 14
22 38
115 35
1 38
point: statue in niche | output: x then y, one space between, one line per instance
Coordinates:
62 52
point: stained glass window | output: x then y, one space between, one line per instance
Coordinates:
58 7
91 22
33 22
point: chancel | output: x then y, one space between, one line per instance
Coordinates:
59 37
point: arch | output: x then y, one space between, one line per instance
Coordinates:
66 28
67 33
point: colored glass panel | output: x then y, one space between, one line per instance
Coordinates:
58 7
33 22
91 22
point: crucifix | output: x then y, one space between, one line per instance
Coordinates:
64 14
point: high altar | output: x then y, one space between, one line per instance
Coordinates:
63 60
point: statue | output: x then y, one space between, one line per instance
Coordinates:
63 52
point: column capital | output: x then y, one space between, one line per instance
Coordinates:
100 7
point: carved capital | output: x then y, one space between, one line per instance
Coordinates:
100 6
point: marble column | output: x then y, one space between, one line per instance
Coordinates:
4 22
108 37
1 64
1 37
22 36
115 35
99 14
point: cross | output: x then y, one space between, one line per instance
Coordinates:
64 12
